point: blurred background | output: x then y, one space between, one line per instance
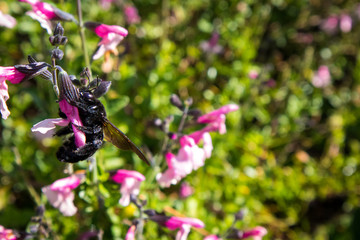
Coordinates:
290 156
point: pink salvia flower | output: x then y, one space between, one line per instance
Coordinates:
216 118
72 114
253 74
322 77
212 45
345 23
256 233
13 76
46 128
329 25
111 36
130 235
7 20
45 13
130 184
212 237
131 14
190 157
185 190
60 195
6 234
105 4
184 225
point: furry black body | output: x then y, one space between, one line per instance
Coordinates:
92 114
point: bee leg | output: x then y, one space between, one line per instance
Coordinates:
64 131
89 130
89 148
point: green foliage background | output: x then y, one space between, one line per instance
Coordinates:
290 155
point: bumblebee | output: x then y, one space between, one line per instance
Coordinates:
96 126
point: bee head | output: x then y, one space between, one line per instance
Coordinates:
87 96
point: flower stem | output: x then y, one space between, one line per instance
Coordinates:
55 86
82 36
183 118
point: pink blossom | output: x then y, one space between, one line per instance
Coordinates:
130 184
184 225
7 20
216 118
212 237
72 114
329 25
111 36
186 190
253 74
6 234
131 14
13 76
256 233
105 4
130 235
345 23
212 45
46 127
60 195
322 77
190 157
45 13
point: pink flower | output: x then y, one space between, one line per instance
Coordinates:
345 23
13 76
256 233
190 157
130 184
60 195
212 45
6 234
184 224
111 36
212 237
72 114
186 190
46 127
7 20
216 118
105 4
131 14
45 13
253 74
322 77
329 25
130 235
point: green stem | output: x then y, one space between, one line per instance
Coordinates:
183 118
82 36
55 86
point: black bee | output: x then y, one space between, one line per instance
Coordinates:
95 124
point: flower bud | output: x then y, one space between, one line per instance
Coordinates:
59 30
57 54
175 100
240 215
189 101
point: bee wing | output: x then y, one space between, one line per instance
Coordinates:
119 139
